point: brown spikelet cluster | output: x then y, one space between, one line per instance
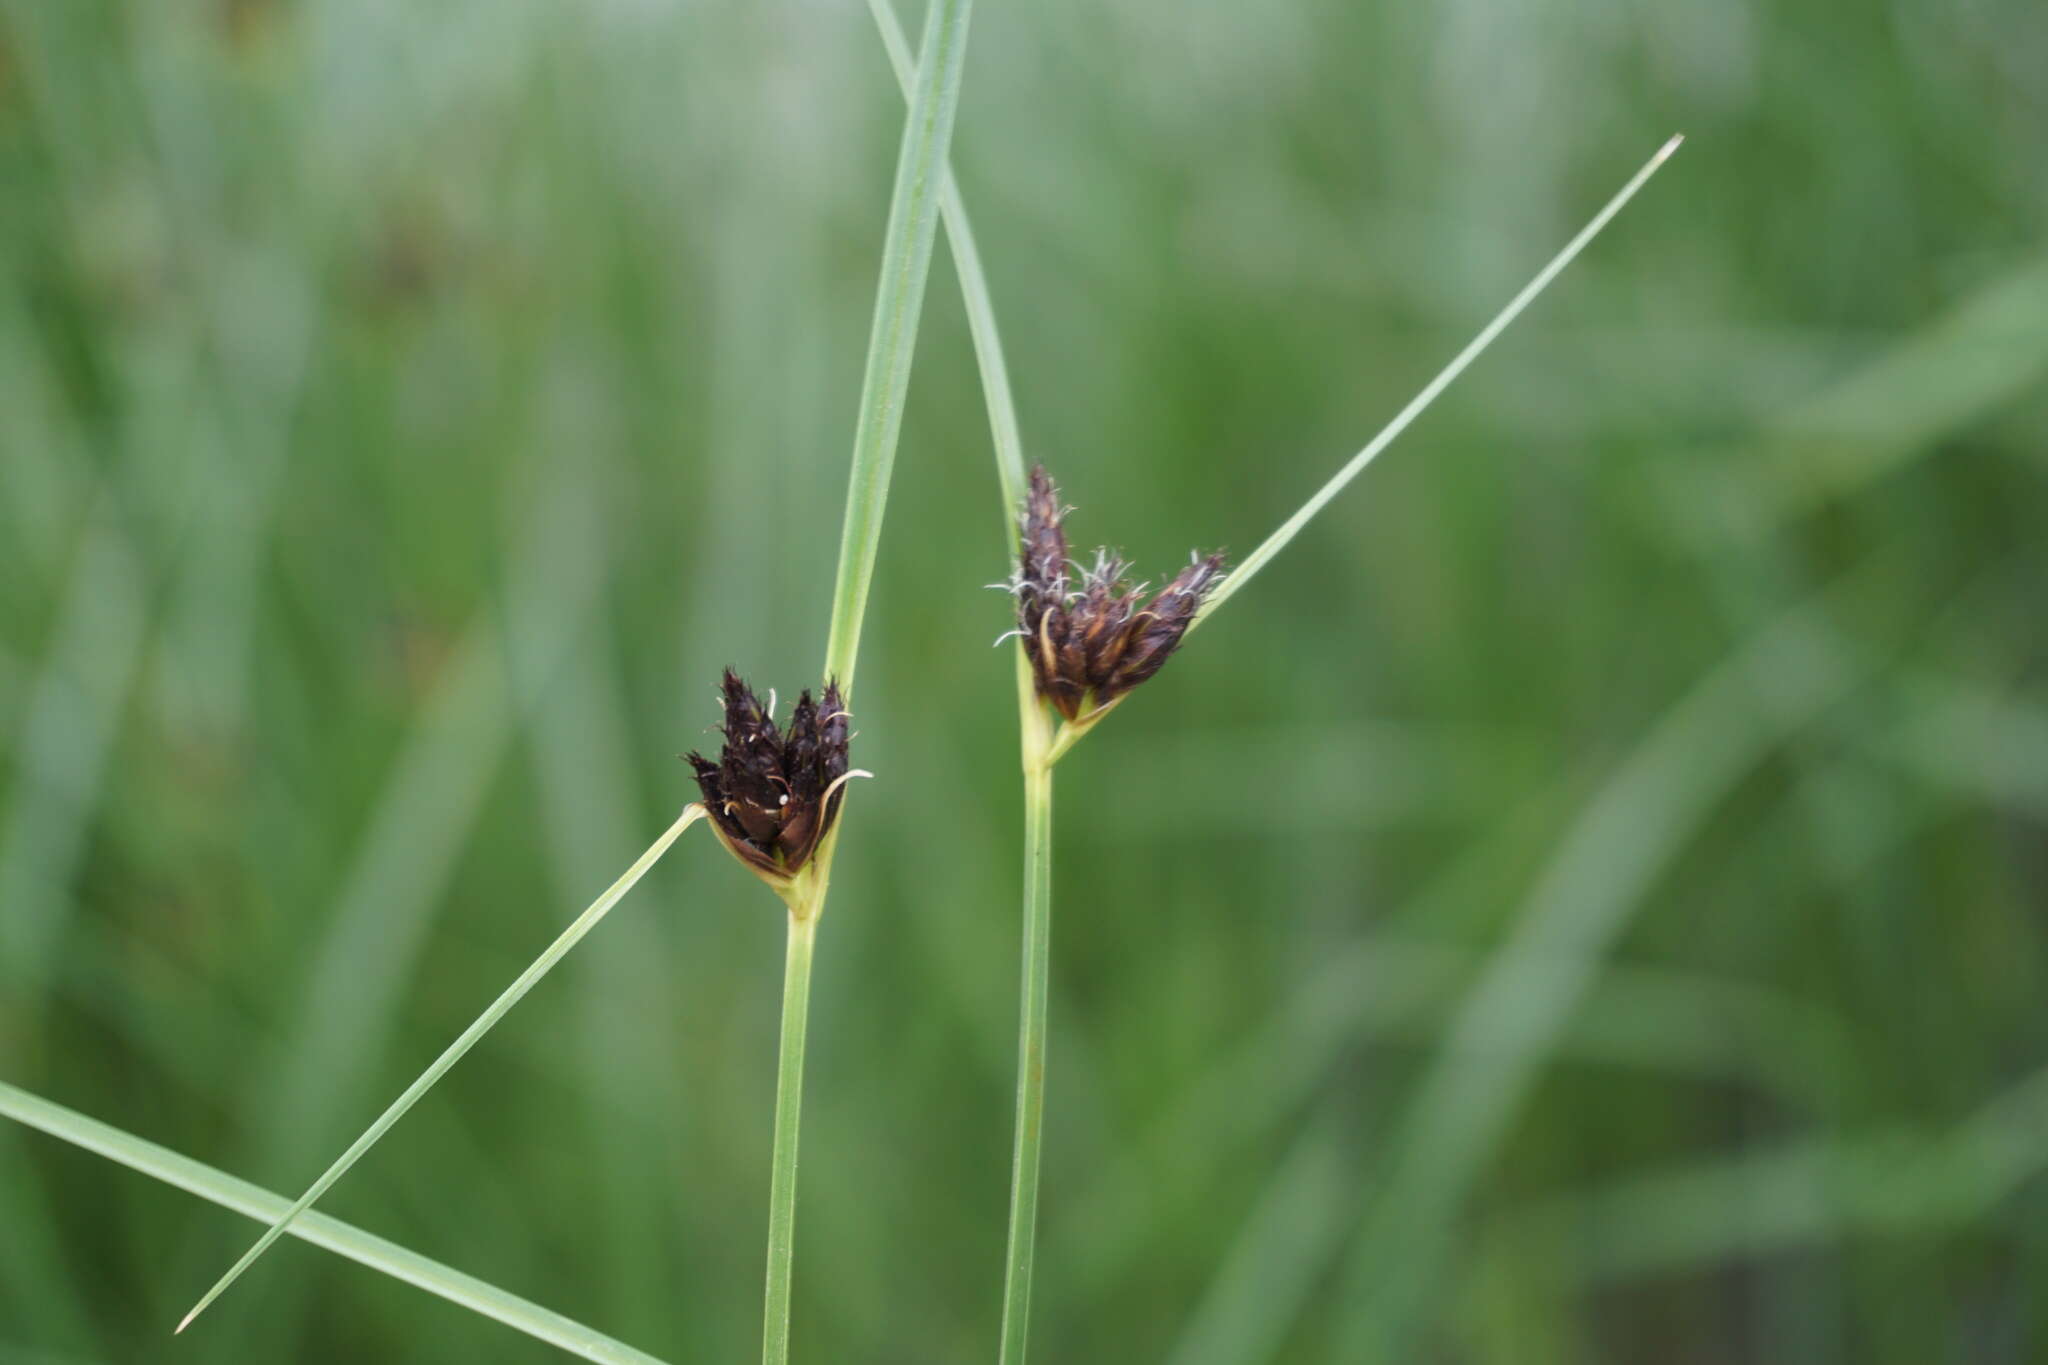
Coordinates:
1091 642
774 794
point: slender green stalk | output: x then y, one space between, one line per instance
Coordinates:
899 302
974 292
511 996
1276 542
253 1201
892 343
789 1088
1036 743
1031 1021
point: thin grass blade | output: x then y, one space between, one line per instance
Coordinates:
1276 542
160 1163
511 996
899 302
974 291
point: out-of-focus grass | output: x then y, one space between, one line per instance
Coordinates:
404 412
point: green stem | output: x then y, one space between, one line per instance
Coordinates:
974 293
789 1099
906 263
892 342
1030 1034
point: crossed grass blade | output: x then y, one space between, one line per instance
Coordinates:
160 1163
511 996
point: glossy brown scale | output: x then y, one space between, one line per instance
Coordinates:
1089 646
774 794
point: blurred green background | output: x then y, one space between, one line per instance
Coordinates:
1584 902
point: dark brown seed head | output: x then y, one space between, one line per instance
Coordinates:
1090 645
1042 556
775 795
1156 631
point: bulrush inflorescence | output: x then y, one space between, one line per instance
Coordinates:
773 796
1090 644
